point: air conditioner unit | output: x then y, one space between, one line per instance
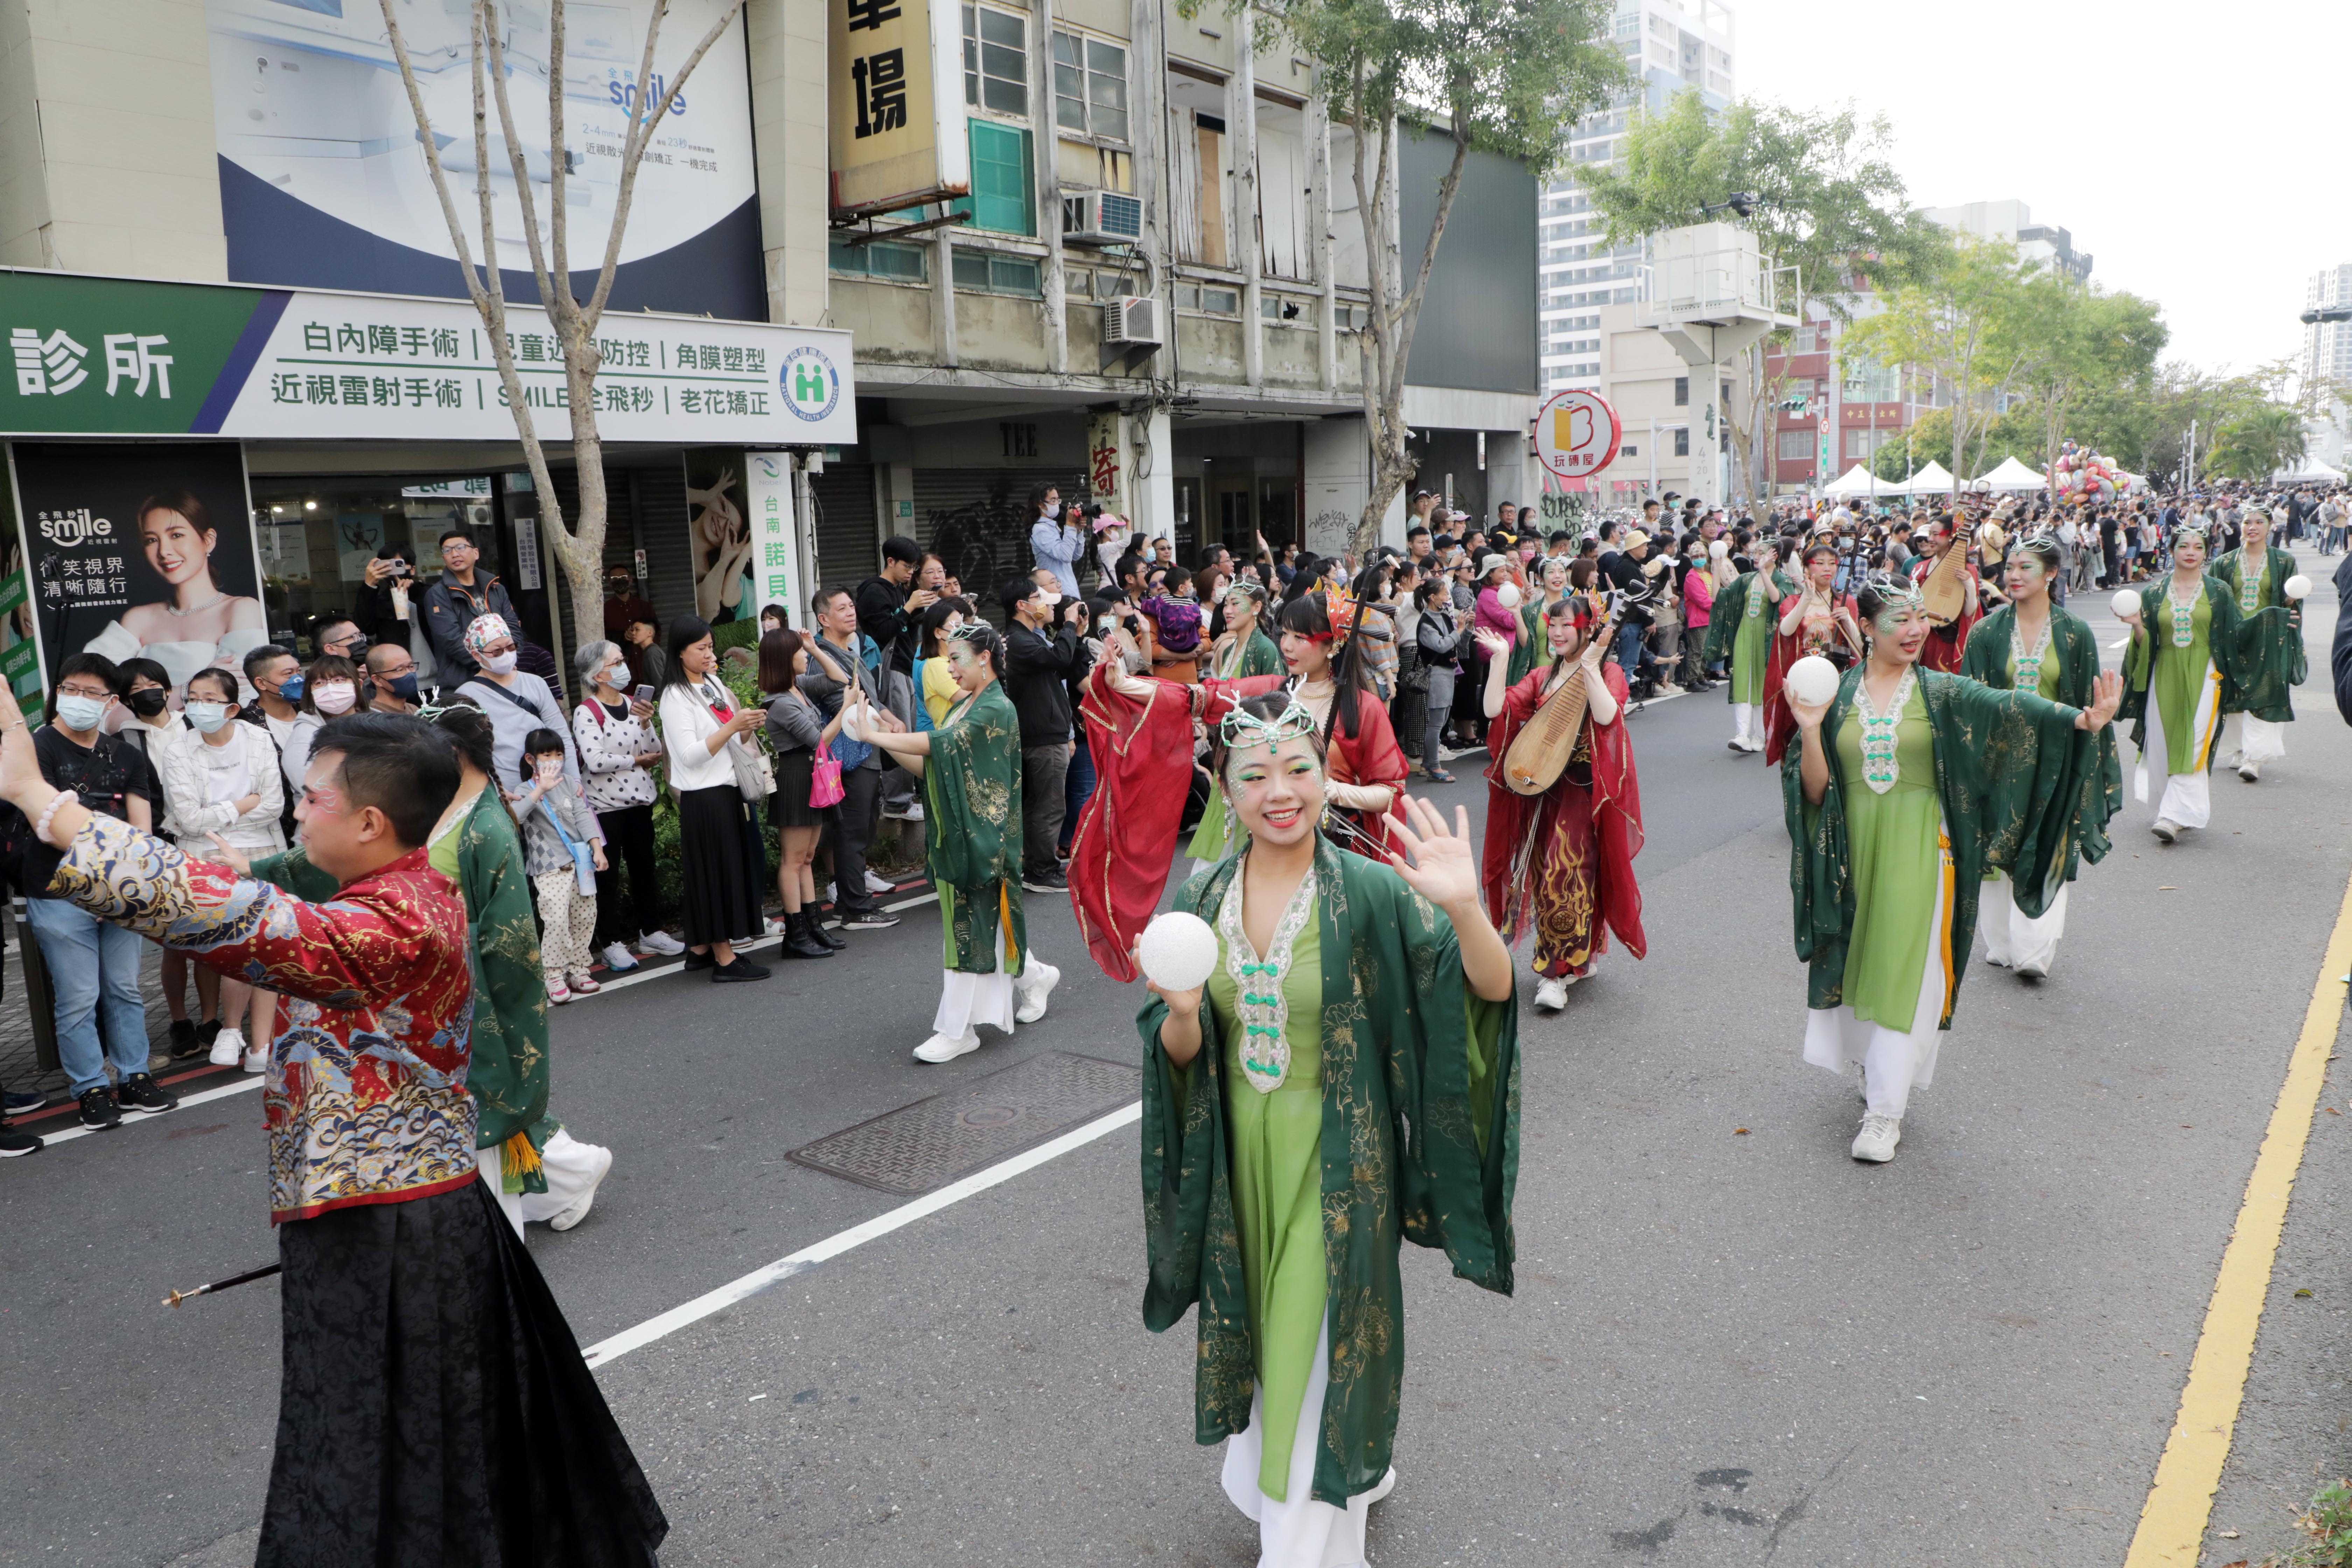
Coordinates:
1102 217
1132 318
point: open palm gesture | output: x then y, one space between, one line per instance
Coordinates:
1443 870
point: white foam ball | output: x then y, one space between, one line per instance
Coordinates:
1720 551
2125 604
1507 596
2298 586
1812 680
1177 951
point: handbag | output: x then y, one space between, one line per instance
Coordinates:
824 779
755 776
584 860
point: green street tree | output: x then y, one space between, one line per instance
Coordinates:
1828 201
1509 79
2081 343
579 541
2258 441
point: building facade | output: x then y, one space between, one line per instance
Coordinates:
2042 243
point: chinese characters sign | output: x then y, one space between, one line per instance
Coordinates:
101 356
898 136
1577 432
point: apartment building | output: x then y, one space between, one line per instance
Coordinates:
2044 244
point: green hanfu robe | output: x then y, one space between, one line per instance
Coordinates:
2070 670
1533 634
2177 675
2009 769
1213 839
2271 661
971 787
508 1073
1740 627
1415 1137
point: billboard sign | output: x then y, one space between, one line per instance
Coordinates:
324 178
106 356
1576 433
898 134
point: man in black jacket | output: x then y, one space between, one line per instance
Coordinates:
1043 657
456 599
887 611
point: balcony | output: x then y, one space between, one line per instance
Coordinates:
1711 291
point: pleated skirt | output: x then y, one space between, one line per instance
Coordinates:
723 864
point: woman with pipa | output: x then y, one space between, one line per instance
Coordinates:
1564 808
1344 1078
1904 786
2032 645
2183 655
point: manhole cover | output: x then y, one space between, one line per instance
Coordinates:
930 1143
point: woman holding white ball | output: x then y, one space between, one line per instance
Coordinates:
1346 1078
2260 704
2033 644
1739 628
1904 788
2183 656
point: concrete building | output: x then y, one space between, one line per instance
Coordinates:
2012 221
2327 360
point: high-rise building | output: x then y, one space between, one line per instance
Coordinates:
1589 287
2327 359
2012 221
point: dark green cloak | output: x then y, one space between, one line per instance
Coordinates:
508 1070
2270 658
2077 651
1723 619
1417 1143
2010 773
973 784
1259 657
2223 639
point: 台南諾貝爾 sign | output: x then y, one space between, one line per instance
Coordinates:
104 356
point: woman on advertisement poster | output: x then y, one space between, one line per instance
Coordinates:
201 624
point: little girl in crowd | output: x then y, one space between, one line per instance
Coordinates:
557 827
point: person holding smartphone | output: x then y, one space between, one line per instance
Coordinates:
618 749
382 609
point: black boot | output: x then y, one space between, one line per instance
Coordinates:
823 936
800 939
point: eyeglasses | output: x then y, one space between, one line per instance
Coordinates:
96 693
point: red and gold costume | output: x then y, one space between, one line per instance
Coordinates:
1946 646
1562 863
1817 632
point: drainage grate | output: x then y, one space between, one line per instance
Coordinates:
930 1143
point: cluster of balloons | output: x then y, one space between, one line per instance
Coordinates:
2081 474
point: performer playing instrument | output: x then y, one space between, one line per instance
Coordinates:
1352 1000
971 764
2033 644
2183 655
1950 592
1564 808
434 1407
1815 619
2259 703
1739 628
1905 786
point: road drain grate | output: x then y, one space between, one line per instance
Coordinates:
930 1143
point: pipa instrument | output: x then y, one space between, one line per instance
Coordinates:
1539 753
1943 592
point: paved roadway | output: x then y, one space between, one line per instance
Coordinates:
1728 1347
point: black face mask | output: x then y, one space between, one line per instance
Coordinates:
149 703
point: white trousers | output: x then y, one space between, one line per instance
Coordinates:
2188 797
2011 939
1893 1061
2246 738
968 1001
572 1170
1298 1531
1743 721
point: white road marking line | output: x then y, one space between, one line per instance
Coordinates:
605 1352
250 1082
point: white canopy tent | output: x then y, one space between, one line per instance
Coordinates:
1933 480
2011 477
1859 480
2309 471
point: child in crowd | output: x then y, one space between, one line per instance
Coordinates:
564 848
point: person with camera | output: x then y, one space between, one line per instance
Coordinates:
1042 658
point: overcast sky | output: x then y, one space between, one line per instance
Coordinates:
2202 154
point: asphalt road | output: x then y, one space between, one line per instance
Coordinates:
1727 1347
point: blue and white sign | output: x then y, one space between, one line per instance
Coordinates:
811 383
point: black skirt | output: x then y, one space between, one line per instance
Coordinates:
789 806
435 1408
724 865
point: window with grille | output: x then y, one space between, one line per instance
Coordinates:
995 60
1089 87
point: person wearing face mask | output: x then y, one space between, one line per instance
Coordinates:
618 749
457 600
330 688
622 602
1056 541
273 676
221 788
517 700
392 679
93 966
143 720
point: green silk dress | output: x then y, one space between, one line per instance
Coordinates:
1213 838
2271 659
971 789
2180 682
1896 840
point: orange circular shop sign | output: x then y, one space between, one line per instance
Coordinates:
1576 433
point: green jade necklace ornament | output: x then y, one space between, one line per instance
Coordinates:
1880 731
1265 1015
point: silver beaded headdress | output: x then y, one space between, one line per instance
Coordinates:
1243 728
1893 593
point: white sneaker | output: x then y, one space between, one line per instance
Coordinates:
2249 772
2034 969
874 884
2166 829
579 1211
947 1048
911 812
1446 753
1875 1143
1551 994
228 1047
617 958
1029 993
660 941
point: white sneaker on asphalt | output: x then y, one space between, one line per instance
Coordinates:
229 1048
874 884
947 1048
2249 772
1029 993
660 941
1875 1143
2166 829
2034 969
617 957
579 1211
1551 994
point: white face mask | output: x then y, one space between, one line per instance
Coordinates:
207 717
334 696
1053 509
615 676
499 663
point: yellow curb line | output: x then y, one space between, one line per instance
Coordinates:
2172 1524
